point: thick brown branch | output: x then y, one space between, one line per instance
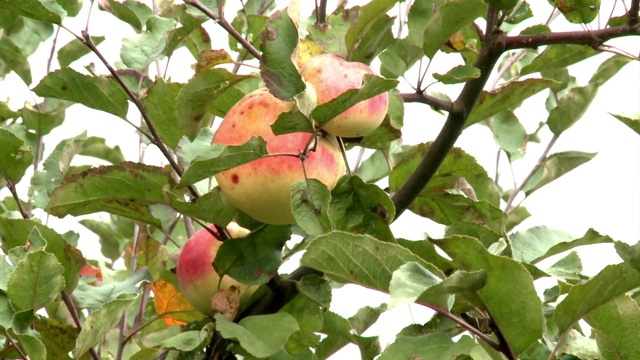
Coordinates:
226 26
592 38
452 128
633 12
434 102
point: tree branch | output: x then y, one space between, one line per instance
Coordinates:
592 38
633 12
460 110
225 25
432 101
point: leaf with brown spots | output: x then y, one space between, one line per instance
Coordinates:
126 189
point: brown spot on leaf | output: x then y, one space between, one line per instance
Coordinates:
272 33
235 179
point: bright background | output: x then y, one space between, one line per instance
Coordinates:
603 194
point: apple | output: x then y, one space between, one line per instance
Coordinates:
332 76
198 280
261 188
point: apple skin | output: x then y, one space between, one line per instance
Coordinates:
332 76
197 278
261 188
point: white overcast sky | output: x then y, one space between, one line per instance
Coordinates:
604 194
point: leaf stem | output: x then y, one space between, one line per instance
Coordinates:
535 168
225 25
10 340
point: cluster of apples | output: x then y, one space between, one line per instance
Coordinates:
261 188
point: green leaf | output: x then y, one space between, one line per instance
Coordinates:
458 74
578 11
48 11
371 86
96 92
141 50
427 252
359 259
460 190
134 13
196 96
553 167
279 40
460 282
371 31
520 318
6 113
126 189
57 337
509 134
262 335
160 102
506 97
16 233
616 325
568 268
361 208
32 345
398 58
408 282
15 157
575 103
91 297
55 168
629 253
558 56
431 346
74 50
255 258
450 18
610 283
340 332
100 322
211 207
217 158
45 116
309 204
185 341
316 289
589 238
96 147
291 122
331 37
531 245
632 121
36 281
15 59
112 243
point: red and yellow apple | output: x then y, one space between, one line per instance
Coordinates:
332 76
197 278
261 188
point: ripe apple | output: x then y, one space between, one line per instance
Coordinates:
331 76
197 278
261 188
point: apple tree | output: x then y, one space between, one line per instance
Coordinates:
175 74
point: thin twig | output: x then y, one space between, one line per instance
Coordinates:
14 193
15 346
321 14
68 302
225 25
432 101
633 12
541 160
464 325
